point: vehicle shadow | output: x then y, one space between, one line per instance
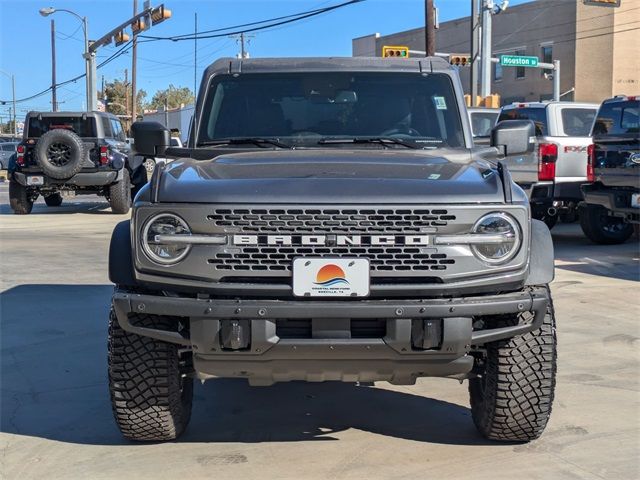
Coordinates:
67 207
574 252
53 383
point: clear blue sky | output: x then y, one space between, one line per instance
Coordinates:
25 49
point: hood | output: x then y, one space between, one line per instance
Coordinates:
332 176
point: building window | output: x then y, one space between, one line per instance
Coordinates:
520 71
497 72
546 56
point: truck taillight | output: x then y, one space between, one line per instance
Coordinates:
591 161
547 156
104 155
20 155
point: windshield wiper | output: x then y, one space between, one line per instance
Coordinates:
386 141
258 141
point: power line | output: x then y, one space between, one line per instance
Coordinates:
303 15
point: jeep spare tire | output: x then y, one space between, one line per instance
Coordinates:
60 154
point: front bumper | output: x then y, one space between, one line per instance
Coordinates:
82 179
391 357
616 200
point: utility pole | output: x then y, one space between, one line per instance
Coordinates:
195 53
54 96
13 93
134 65
475 50
242 51
126 91
429 28
485 56
166 111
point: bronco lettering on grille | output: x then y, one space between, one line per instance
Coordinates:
331 240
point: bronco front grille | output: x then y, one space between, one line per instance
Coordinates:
412 260
280 258
330 220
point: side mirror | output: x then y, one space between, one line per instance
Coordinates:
150 139
514 136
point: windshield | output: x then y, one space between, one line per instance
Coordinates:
303 108
482 123
83 127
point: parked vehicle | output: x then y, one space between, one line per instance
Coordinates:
7 150
612 201
552 176
482 121
332 221
80 152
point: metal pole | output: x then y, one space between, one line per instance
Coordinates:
242 52
195 53
87 62
429 28
134 65
126 91
166 111
54 96
475 49
485 88
556 80
93 90
13 93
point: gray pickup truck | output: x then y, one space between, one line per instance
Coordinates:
331 219
553 174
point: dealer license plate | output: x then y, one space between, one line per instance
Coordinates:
35 180
330 277
635 200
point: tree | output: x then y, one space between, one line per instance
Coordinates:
174 96
117 93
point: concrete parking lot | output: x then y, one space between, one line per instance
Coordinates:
56 418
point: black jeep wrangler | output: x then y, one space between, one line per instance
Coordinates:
80 152
612 202
331 219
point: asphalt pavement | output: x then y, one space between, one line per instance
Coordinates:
56 420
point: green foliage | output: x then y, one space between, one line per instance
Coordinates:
174 96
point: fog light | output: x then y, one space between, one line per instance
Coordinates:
426 333
235 334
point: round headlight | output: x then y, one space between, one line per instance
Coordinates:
505 242
156 241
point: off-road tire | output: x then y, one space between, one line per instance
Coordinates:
19 199
511 401
60 153
151 399
603 229
53 200
120 194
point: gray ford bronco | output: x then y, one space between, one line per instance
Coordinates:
330 219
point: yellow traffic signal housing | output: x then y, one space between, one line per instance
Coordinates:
160 14
120 38
138 26
491 101
395 51
460 59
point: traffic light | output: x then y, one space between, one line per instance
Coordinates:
491 101
460 59
160 14
139 26
395 51
120 38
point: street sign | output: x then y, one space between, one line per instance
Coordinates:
518 61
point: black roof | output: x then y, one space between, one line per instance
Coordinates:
319 64
94 113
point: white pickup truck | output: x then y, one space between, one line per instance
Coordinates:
553 174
